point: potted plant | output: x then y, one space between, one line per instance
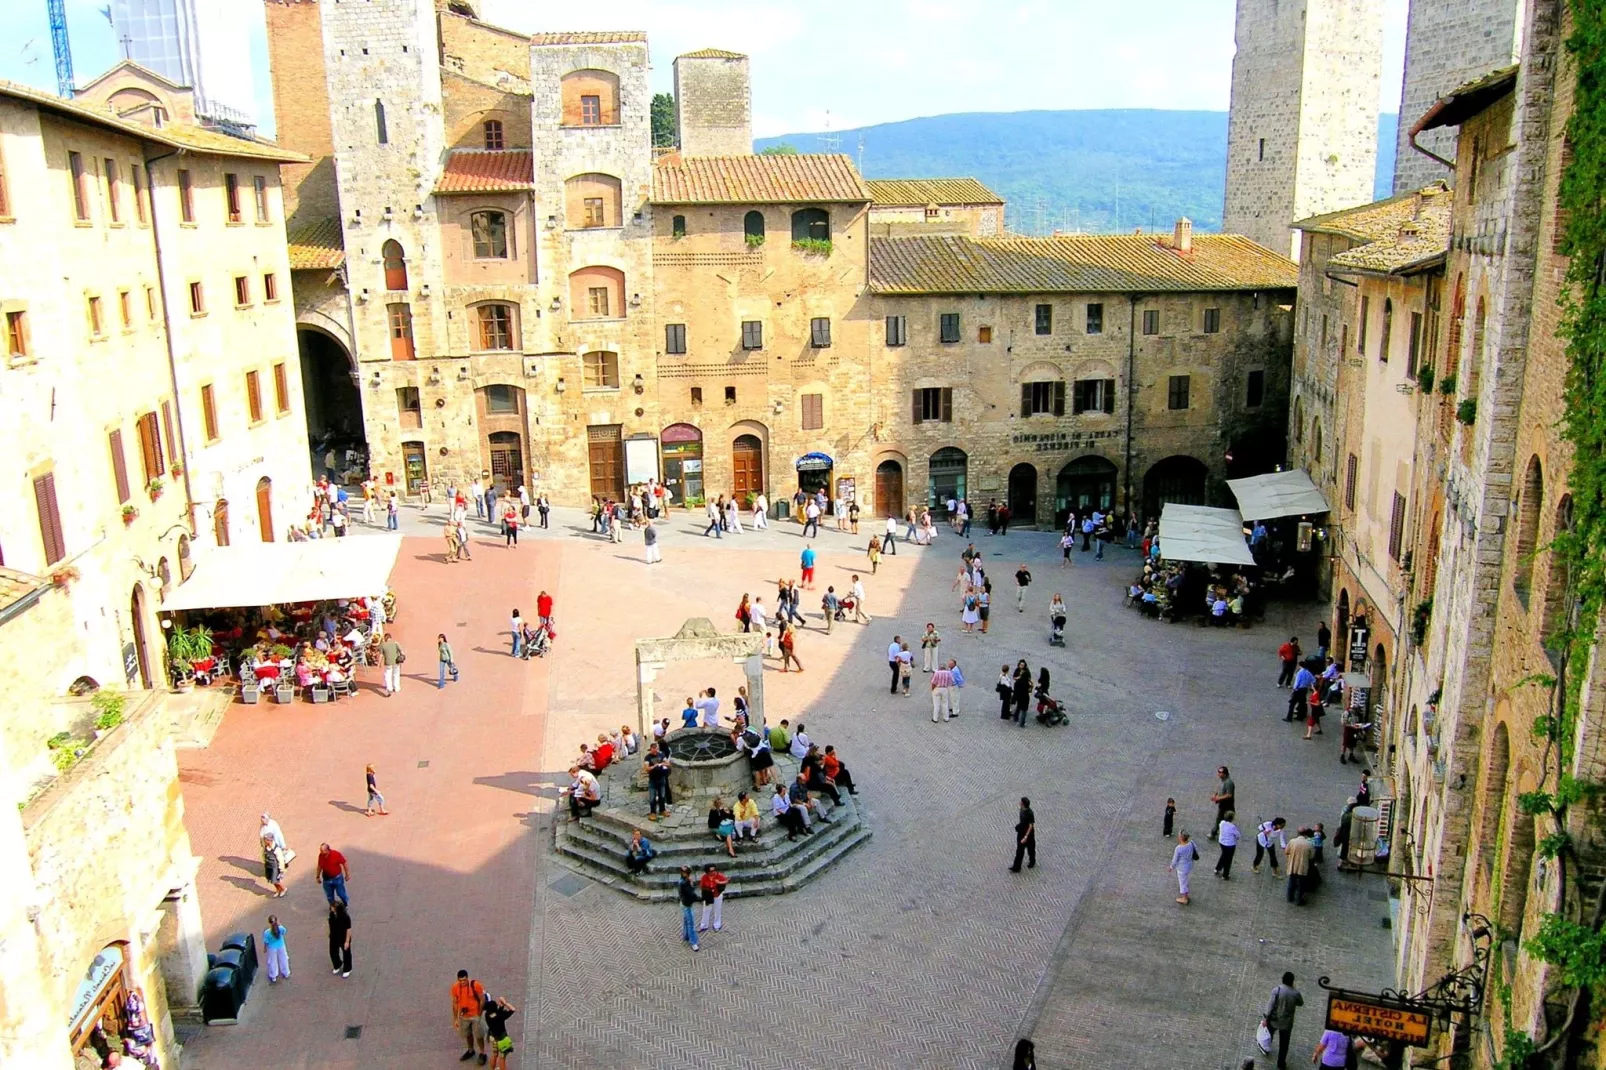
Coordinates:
1424 378
1447 385
108 711
130 514
185 647
154 488
284 691
177 469
1467 411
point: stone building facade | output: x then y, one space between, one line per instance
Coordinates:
1447 43
713 103
1302 125
904 207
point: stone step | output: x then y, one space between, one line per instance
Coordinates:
619 826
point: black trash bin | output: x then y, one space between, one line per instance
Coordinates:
221 996
246 944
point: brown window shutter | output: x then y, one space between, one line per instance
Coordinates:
119 466
167 431
50 533
150 446
917 407
947 405
1109 396
1026 399
1059 398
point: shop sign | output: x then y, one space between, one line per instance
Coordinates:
1380 1019
1062 441
1357 649
130 662
814 462
96 978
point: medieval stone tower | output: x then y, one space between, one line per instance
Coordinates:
1448 43
713 103
1302 130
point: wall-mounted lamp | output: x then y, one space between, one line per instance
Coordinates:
434 377
635 300
423 291
376 380
362 295
562 386
418 211
356 218
462 374
552 222
779 407
557 303
637 384
389 215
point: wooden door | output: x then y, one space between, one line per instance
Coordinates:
889 489
607 461
507 459
136 612
265 508
747 466
1023 494
220 522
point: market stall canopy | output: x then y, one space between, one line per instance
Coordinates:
814 462
275 573
1278 494
1199 533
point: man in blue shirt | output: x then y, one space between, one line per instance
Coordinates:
1304 680
808 568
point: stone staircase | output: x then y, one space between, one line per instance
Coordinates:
773 865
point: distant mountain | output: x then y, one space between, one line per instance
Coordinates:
1089 170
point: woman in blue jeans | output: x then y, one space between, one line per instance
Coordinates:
687 889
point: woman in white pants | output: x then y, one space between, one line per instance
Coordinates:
1182 860
733 517
761 505
275 951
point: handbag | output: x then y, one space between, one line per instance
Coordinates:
1263 1039
1195 852
401 656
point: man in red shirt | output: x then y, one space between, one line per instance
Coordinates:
713 884
1288 654
543 607
601 754
333 872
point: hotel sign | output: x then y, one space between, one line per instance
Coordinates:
1363 1015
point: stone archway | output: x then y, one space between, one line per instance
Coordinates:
698 640
331 400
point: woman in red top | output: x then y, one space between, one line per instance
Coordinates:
543 607
510 523
787 654
601 754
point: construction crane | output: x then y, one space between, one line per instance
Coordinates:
63 50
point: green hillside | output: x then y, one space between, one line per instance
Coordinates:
1066 170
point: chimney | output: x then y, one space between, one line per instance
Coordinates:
1182 236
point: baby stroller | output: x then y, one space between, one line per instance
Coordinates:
537 640
1056 635
1051 711
844 607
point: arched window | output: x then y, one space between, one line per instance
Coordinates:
395 265
601 370
677 227
1458 313
1559 595
1528 506
1388 330
597 293
593 200
1316 441
497 326
493 134
1475 360
811 224
590 98
489 230
1299 421
380 128
753 227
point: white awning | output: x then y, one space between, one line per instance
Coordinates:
1198 533
1278 494
275 573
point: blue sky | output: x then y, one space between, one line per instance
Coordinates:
847 63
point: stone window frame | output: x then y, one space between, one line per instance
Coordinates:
675 339
487 212
495 140
511 327
602 373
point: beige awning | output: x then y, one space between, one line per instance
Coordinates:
1278 494
276 573
1198 533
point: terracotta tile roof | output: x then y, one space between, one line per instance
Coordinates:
315 244
710 53
478 171
1080 263
15 586
1369 222
1412 245
1468 99
793 179
919 192
603 37
190 138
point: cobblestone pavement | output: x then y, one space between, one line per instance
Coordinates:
920 950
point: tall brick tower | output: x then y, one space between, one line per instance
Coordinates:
1302 130
1448 43
713 103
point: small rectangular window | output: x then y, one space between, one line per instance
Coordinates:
1151 321
1262 151
948 327
1045 319
752 334
381 128
820 333
51 532
1093 395
1095 318
259 184
209 412
97 322
897 331
597 301
1360 335
231 197
186 197
114 442
281 388
17 334
1177 392
1255 391
409 408
504 400
675 338
270 287
590 111
813 412
253 395
1414 345
1343 337
984 334
150 303
114 191
1324 333
696 395
596 213
125 310
167 433
934 404
601 371
137 174
1397 526
730 395
242 291
197 299
1212 320
1352 467
1042 399
80 186
400 316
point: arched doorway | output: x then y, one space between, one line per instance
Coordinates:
1340 649
747 466
681 446
946 477
1495 797
265 508
1023 494
1086 483
889 488
333 406
220 522
415 466
1378 693
136 614
1179 479
507 459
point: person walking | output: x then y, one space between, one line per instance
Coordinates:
1021 686
715 515
1225 796
453 547
497 1012
649 542
510 523
686 890
829 604
275 951
1324 639
1025 836
712 885
1182 860
543 507
873 552
390 652
393 512
930 649
448 664
376 801
333 872
1299 698
955 690
789 645
857 590
761 506
906 667
811 518
1023 580
806 563
340 939
889 544
272 866
462 539
1298 856
468 1016
1278 1017
1267 836
942 685
1227 836
1288 657
733 517
543 608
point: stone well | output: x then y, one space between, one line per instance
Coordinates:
704 762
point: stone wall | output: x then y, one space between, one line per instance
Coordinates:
301 104
713 105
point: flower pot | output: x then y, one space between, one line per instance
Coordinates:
285 694
320 694
249 694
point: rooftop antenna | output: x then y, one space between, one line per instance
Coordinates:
861 152
829 141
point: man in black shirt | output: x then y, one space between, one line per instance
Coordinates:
1023 580
1025 836
497 1012
1324 638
